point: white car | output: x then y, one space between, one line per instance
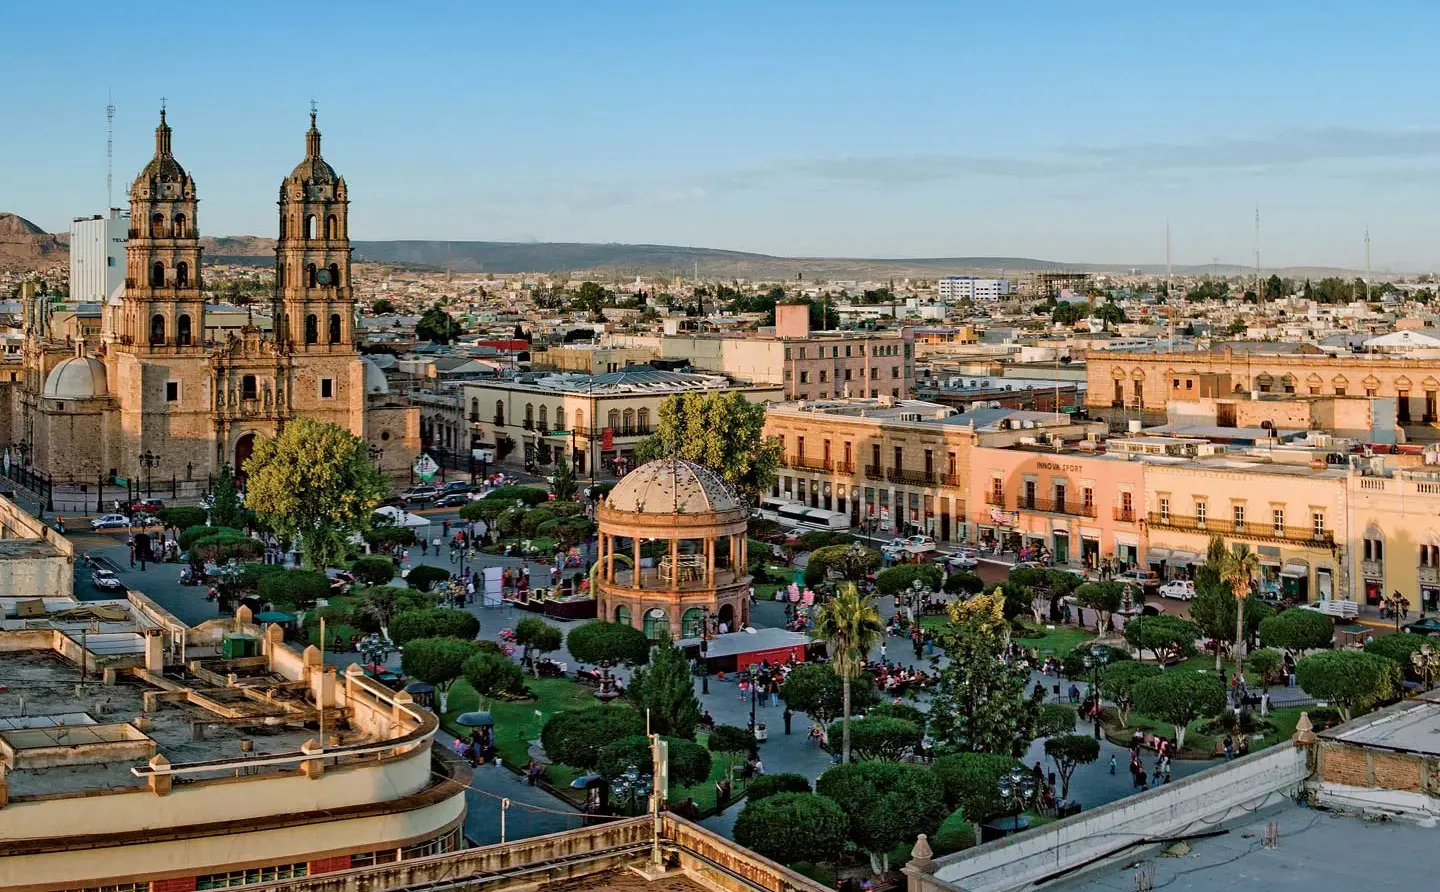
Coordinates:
1145 579
1180 589
964 559
110 522
104 579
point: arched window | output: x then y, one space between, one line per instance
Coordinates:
310 226
544 418
332 227
157 226
334 275
622 615
579 419
182 330
280 274
310 276
180 226
182 275
560 419
248 388
629 423
692 623
282 225
475 409
642 418
499 414
657 623
157 330
614 419
529 415
334 328
157 274
312 329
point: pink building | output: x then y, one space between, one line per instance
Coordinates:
1080 505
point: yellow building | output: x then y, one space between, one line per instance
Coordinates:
1395 521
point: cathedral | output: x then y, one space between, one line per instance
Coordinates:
157 393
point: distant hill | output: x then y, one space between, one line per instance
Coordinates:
25 246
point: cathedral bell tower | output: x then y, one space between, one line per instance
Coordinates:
314 302
162 309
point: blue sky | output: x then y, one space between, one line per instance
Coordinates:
1059 130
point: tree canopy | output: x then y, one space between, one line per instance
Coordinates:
494 675
437 661
689 762
1296 630
1353 681
666 689
722 430
851 627
574 737
1167 637
604 642
818 691
225 507
1102 597
1118 681
434 622
980 703
970 782
887 803
774 784
793 827
315 481
294 589
437 326
1180 697
900 578
1068 752
881 737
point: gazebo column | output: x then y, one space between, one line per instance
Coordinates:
710 561
636 572
674 565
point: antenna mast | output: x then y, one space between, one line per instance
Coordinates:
109 152
1367 263
1169 289
1259 296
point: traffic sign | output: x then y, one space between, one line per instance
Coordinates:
425 467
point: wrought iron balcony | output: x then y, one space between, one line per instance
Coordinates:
874 472
911 478
1125 515
1057 506
1266 532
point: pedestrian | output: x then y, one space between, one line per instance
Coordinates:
1229 749
882 650
1112 763
787 716
774 692
1142 780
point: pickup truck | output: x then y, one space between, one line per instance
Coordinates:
911 546
1335 608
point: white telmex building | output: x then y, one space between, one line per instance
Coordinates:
97 255
963 287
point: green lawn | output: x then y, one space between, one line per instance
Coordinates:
765 591
545 548
1059 640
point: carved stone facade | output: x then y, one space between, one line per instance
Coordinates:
155 385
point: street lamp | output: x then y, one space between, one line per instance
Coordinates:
1095 661
1426 661
1017 790
149 461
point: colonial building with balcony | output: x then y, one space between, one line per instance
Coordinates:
1395 525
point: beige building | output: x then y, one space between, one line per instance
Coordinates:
595 420
588 359
158 388
1395 525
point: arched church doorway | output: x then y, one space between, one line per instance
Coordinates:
243 449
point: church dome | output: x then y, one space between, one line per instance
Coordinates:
672 486
76 378
375 382
314 170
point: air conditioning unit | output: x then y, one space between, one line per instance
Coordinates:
1029 441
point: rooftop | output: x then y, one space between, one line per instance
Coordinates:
1412 726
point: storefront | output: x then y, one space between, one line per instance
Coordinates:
1295 581
1060 547
1182 564
1156 560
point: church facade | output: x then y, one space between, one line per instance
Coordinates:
156 394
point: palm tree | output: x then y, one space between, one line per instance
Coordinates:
1238 569
851 627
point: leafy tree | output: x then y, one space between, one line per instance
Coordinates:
294 589
433 622
382 307
900 578
1267 663
970 782
562 483
182 516
592 298
488 510
852 562
1118 681
1068 752
314 481
373 570
437 661
575 737
225 508
721 430
1213 610
437 326
1069 313
1055 719
1180 698
888 803
689 761
1167 637
730 740
388 535
1072 665
1102 597
424 577
817 690
1110 314
530 495
1238 569
603 642
964 582
1047 588
1297 630
1353 680
220 545
773 784
1398 647
851 627
905 711
881 737
980 703
667 689
793 827
494 675
568 531
537 637
380 604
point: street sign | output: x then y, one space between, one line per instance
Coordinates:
425 467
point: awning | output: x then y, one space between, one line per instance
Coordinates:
1178 558
1295 571
1157 555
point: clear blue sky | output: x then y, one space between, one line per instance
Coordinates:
1061 130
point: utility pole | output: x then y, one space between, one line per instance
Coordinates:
109 153
1259 296
1367 262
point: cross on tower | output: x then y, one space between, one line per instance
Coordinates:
162 103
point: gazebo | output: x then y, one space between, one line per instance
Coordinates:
699 581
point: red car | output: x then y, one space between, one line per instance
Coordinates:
146 506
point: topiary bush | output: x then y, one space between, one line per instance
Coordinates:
294 589
528 494
424 577
599 642
793 827
689 761
373 570
433 622
898 579
576 737
773 784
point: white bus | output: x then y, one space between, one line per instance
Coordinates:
789 513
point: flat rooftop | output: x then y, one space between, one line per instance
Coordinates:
1313 850
1412 726
26 549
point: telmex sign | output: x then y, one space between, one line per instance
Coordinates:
1052 466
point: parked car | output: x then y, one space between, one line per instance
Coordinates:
106 580
1334 608
457 486
110 522
145 506
1147 580
420 494
964 559
453 500
1180 589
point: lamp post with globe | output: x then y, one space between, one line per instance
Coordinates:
1017 791
1095 661
1426 661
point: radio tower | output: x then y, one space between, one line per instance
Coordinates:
1367 263
109 152
1259 295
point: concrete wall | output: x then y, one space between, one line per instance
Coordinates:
1075 842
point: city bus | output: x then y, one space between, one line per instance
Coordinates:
789 514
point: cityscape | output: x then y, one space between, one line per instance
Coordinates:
868 482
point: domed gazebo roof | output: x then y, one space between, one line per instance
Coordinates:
76 378
375 383
673 486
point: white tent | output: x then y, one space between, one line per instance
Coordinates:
402 517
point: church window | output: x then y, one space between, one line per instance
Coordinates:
172 391
310 276
157 226
335 275
182 275
157 274
180 226
312 328
334 328
310 226
157 330
247 388
327 388
282 225
332 227
182 331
